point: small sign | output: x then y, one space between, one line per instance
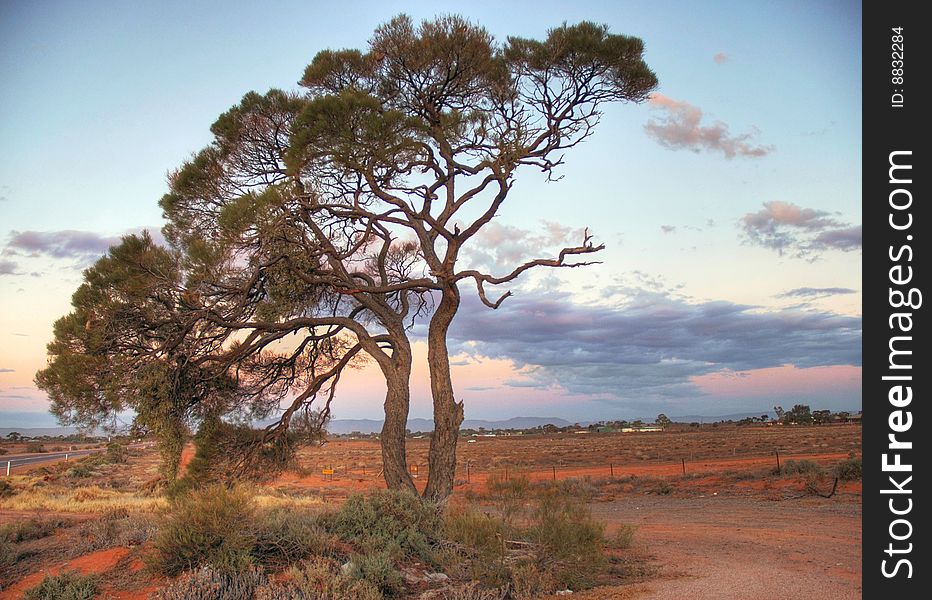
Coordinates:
328 471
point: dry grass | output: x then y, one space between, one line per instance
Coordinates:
85 499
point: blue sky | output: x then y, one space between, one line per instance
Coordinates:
736 188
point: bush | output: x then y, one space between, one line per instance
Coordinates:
116 453
117 528
479 550
378 570
285 535
30 529
6 489
623 538
8 556
848 469
208 527
68 585
388 520
319 579
35 447
572 541
210 584
799 467
529 581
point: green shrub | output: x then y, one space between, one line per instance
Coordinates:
35 447
799 467
68 585
529 580
572 541
8 556
6 489
208 527
378 570
285 535
117 528
206 583
848 469
388 520
478 550
116 453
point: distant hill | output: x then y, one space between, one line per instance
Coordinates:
38 431
344 426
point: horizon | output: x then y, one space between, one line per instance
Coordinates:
729 203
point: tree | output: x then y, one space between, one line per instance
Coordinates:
427 130
800 414
663 420
778 410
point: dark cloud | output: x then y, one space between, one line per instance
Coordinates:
800 232
650 346
681 127
4 370
7 267
668 228
809 292
82 246
721 58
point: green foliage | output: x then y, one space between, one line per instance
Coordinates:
572 539
388 520
68 585
6 489
116 453
799 467
117 528
848 469
209 526
378 570
284 536
35 447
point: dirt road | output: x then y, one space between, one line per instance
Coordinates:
742 549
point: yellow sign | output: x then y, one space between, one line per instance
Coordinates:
328 471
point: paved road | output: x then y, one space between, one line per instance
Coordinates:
30 459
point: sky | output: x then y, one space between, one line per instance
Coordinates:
729 203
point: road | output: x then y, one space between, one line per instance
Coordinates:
21 460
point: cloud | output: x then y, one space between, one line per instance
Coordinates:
82 246
648 347
721 58
20 334
480 388
810 292
668 228
499 248
7 267
4 370
801 232
680 127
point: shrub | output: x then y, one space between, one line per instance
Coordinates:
799 467
6 489
623 538
285 535
320 579
479 550
848 469
68 585
389 520
8 556
572 541
30 529
116 453
208 527
528 581
378 570
206 583
35 447
117 528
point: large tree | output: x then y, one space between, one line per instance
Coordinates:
426 130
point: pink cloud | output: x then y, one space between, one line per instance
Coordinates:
681 127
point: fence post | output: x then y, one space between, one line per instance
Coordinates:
554 473
684 465
8 463
66 456
611 468
467 472
777 452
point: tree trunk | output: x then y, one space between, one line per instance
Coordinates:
448 413
392 439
